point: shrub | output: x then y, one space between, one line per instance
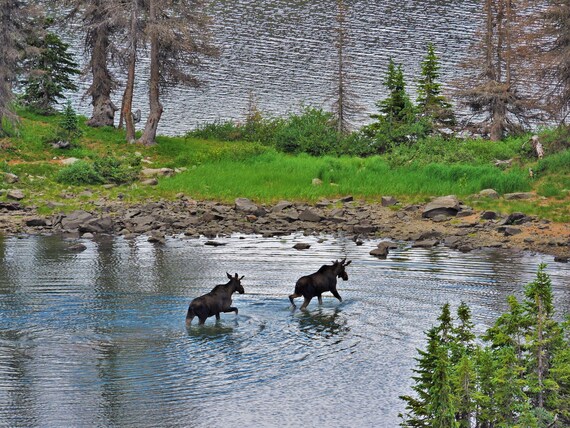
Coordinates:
313 132
79 173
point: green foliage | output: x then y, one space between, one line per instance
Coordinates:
79 173
430 102
68 126
50 74
312 131
521 378
103 170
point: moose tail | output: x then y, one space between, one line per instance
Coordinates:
190 315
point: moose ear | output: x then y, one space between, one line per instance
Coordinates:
236 276
342 261
229 276
241 277
348 262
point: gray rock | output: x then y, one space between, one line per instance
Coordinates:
150 182
68 161
346 199
36 222
10 178
381 253
310 216
561 259
518 196
302 246
510 231
515 218
317 182
245 205
489 193
388 201
157 172
365 229
15 194
281 205
445 205
426 243
214 243
77 247
489 215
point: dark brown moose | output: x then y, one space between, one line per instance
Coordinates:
216 301
317 283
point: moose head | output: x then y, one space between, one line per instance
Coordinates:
235 281
339 270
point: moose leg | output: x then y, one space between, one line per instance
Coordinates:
306 303
202 321
335 294
218 316
320 299
293 296
231 309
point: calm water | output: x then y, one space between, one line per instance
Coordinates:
98 338
283 52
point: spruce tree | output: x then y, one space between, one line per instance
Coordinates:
431 102
50 74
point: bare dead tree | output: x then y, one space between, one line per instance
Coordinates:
491 88
16 24
133 34
344 103
178 32
549 57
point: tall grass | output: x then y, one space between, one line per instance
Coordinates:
271 176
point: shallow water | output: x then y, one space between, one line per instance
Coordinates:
98 337
283 52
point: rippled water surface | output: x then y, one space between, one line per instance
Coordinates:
98 338
283 53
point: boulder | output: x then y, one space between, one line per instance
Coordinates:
301 246
445 205
281 205
426 243
317 182
388 201
489 215
489 193
35 222
10 178
15 194
310 216
245 205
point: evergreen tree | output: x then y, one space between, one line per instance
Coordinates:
544 336
50 73
464 389
397 107
430 101
432 383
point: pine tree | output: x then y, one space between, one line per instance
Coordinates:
50 73
544 336
432 380
430 101
397 107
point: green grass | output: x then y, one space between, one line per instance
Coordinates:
271 176
226 170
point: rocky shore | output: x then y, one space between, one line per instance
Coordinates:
443 221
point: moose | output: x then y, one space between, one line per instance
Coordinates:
216 301
317 283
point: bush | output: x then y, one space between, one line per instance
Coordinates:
103 171
313 132
79 173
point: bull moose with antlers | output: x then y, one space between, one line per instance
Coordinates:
317 283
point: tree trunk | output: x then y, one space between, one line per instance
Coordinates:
100 90
127 107
149 136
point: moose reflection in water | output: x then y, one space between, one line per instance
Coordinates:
216 301
317 283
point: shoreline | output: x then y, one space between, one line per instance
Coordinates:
460 228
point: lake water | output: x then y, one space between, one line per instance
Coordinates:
98 338
283 52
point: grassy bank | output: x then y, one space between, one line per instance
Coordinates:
225 170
